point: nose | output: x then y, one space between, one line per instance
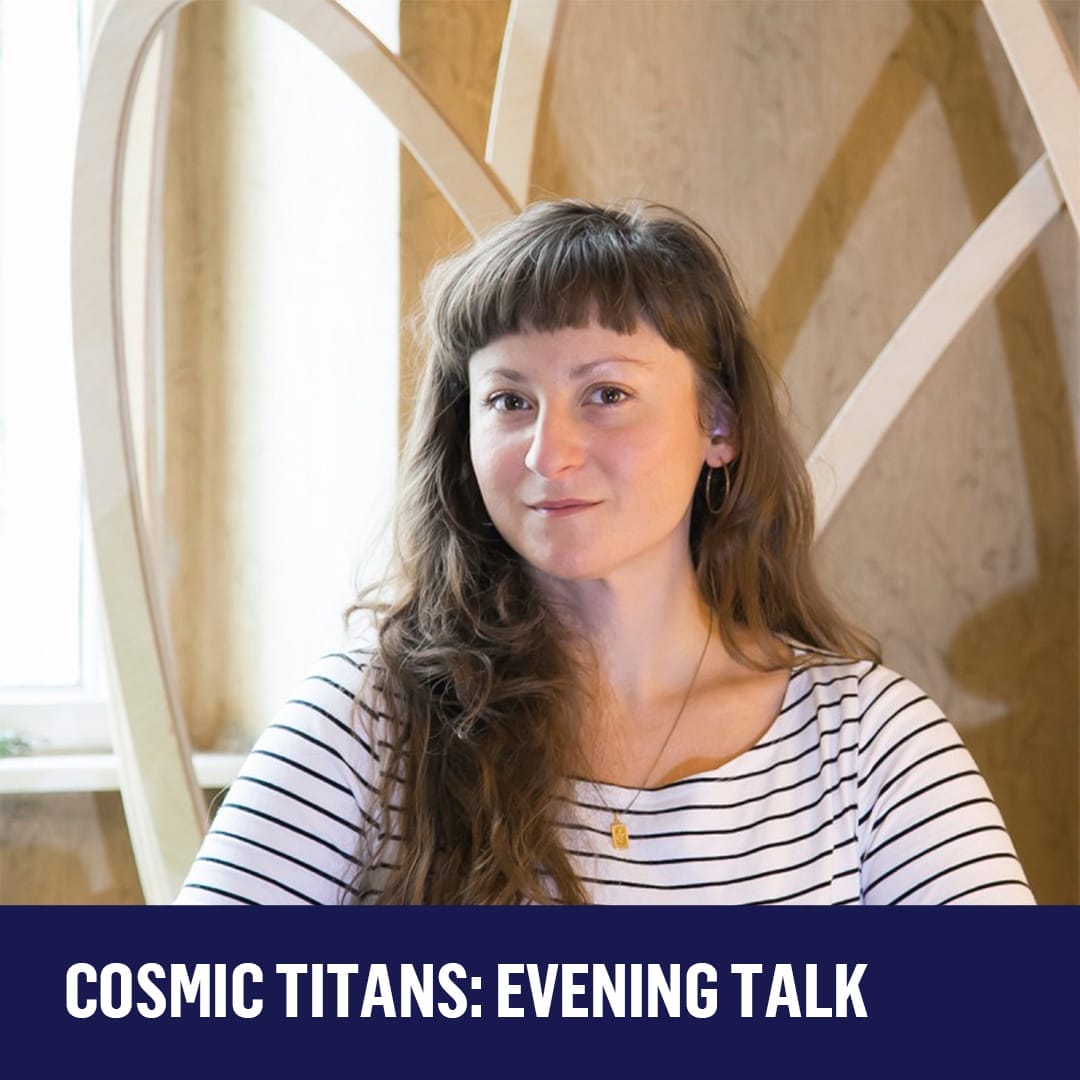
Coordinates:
557 444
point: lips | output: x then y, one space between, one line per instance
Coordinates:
561 507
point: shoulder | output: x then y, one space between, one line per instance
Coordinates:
928 828
297 813
343 672
340 702
328 693
326 743
867 690
884 728
925 822
875 711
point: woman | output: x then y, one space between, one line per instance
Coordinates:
603 669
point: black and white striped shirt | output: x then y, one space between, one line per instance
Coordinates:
860 792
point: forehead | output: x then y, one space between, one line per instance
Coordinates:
573 352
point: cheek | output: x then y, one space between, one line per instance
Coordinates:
493 461
659 461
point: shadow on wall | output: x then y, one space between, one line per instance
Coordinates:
993 654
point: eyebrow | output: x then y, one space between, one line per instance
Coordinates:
510 375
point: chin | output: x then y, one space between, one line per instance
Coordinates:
573 568
562 565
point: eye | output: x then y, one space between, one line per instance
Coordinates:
608 395
505 401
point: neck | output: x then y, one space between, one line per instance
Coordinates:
645 630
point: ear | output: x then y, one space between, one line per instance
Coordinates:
723 443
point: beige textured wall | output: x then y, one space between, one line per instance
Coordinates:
841 152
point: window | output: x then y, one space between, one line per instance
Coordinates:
51 684
53 688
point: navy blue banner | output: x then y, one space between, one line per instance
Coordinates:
538 992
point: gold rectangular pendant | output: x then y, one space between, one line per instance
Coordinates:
619 836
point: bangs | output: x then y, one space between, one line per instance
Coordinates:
545 271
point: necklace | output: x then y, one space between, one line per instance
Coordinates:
620 835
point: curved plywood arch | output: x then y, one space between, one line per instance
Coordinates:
1044 69
515 106
472 188
164 808
1049 84
971 277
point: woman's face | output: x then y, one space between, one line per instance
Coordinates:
587 445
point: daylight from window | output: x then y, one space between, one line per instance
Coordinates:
40 471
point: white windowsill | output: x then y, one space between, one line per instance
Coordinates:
41 774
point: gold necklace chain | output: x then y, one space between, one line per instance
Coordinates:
620 835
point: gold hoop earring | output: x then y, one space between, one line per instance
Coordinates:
708 490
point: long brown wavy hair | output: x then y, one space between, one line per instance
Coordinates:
480 676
